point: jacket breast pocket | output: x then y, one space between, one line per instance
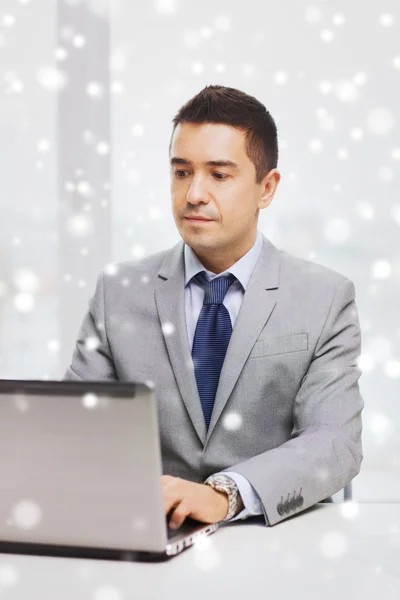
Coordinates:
280 345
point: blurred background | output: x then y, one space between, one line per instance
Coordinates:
88 89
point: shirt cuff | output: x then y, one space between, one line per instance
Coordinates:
251 500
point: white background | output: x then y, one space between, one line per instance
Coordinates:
328 71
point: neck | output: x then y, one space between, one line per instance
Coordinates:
220 260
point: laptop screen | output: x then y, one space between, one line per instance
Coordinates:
80 465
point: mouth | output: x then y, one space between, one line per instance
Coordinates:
198 220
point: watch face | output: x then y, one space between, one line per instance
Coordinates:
225 480
223 483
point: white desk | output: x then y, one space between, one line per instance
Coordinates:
322 553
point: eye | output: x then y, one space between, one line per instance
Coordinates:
221 176
180 174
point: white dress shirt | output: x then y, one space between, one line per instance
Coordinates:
194 295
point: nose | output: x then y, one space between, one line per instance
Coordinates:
197 192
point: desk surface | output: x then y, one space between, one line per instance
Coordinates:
330 551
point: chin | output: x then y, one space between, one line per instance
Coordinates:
198 239
202 243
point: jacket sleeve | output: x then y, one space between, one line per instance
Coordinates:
92 358
324 452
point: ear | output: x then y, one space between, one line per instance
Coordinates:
269 186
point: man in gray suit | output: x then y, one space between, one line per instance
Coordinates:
252 351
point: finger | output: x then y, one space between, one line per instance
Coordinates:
167 480
170 502
178 516
172 495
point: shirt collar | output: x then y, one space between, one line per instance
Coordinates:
241 269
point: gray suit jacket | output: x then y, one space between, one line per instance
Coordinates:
287 412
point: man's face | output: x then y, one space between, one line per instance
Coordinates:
225 194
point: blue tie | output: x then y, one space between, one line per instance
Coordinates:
211 339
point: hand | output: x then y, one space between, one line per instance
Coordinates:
196 500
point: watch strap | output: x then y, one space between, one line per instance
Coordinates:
224 483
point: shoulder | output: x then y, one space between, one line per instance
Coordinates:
312 282
147 268
306 271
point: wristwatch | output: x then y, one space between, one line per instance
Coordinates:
224 483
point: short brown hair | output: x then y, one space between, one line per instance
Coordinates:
229 106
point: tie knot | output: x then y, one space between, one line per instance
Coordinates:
214 290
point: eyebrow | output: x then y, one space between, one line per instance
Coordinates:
175 160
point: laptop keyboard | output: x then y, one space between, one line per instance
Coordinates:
188 526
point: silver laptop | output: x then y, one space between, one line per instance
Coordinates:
80 472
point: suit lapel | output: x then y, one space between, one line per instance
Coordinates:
171 310
258 303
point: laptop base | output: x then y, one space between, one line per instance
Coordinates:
58 551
